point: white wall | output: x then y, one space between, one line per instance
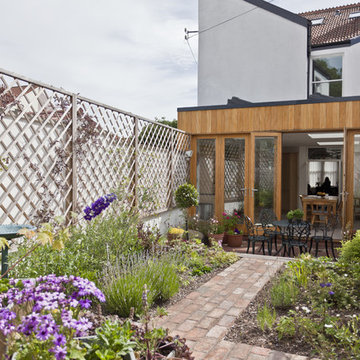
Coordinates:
166 219
351 68
259 56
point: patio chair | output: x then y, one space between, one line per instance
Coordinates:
325 232
256 234
267 218
296 235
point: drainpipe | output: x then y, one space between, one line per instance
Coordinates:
308 56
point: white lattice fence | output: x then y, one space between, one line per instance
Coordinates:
60 152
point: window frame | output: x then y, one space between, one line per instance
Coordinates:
315 82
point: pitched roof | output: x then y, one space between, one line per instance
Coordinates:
336 27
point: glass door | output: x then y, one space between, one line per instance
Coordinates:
235 174
265 174
352 201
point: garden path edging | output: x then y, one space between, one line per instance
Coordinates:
204 316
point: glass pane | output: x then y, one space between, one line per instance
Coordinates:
324 153
333 88
327 68
357 182
315 173
234 175
206 177
265 160
324 70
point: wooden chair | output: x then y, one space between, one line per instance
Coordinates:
319 213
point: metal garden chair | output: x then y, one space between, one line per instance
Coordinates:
257 234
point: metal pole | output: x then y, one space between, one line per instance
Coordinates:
4 260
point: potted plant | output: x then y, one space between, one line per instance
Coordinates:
296 215
234 237
216 230
231 223
186 196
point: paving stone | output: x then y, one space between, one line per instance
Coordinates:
205 345
227 320
217 331
207 322
217 313
240 351
260 350
277 355
187 325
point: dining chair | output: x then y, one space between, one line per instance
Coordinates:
296 235
267 218
319 213
325 232
256 234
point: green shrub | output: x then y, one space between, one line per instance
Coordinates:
266 317
113 341
286 327
350 250
284 294
90 249
186 196
124 283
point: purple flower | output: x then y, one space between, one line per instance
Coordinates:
59 352
85 303
59 340
43 334
331 293
98 206
328 284
322 285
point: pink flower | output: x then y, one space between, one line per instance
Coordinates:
228 217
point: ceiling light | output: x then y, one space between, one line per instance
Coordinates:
325 143
326 135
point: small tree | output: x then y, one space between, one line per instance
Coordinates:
186 196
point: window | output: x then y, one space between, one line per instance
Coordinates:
317 21
327 76
354 15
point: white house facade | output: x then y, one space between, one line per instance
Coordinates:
258 52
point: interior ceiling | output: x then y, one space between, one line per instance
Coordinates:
303 139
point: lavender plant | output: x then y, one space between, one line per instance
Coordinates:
99 206
42 316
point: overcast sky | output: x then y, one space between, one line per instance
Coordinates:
127 53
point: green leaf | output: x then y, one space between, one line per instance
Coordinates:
3 243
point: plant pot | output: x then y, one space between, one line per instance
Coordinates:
234 240
217 237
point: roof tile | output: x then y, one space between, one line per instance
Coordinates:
336 27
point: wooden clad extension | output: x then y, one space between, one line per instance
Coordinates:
285 118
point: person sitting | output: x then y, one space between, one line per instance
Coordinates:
326 186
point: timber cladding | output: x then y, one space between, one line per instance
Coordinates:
282 118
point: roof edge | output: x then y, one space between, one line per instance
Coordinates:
280 12
265 104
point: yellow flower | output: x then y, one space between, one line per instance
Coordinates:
176 231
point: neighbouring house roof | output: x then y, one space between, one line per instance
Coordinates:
336 27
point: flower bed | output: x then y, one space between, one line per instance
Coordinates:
311 308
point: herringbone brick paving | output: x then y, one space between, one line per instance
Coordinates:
204 316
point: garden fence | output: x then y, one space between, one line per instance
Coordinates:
59 152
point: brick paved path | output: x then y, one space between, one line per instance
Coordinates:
204 316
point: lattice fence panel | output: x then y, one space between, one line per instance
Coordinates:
60 152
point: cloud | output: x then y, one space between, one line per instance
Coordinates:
130 54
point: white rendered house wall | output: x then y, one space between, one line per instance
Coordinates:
259 56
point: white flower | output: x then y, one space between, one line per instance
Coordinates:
306 309
328 326
345 275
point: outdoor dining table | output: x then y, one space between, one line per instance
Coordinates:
283 225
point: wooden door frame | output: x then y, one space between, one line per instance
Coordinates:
219 167
349 185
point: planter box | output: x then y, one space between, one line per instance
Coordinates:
234 240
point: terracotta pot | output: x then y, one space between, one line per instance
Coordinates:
217 237
234 240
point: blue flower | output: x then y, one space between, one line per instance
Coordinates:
322 285
98 206
328 284
331 293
